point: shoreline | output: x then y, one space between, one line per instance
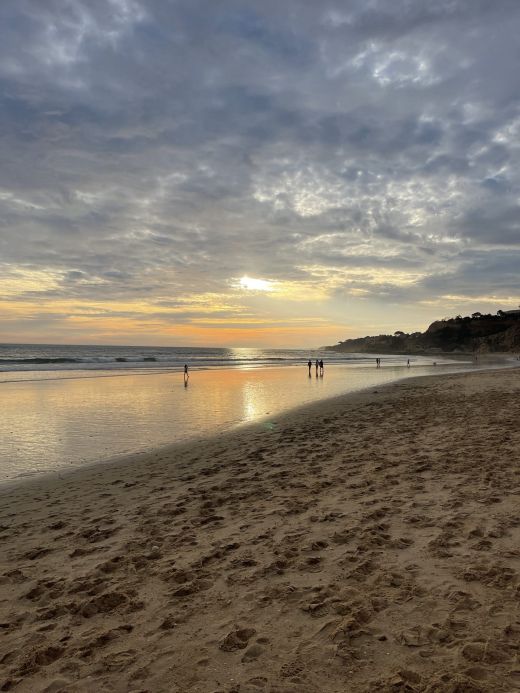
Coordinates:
367 542
136 368
303 410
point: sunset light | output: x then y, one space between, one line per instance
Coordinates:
376 194
259 345
255 284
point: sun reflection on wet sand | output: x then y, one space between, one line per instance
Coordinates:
50 424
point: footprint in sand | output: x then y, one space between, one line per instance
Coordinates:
237 639
258 683
103 604
119 661
252 653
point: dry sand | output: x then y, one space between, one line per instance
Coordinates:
368 543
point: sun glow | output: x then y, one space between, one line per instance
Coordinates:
255 284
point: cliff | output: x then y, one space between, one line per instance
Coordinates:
477 333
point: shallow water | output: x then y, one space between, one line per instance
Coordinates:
25 361
51 424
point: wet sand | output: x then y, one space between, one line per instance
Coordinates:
366 543
76 419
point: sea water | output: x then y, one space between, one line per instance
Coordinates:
36 360
59 414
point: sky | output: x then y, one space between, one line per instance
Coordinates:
241 173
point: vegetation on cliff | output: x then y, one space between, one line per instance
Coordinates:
476 333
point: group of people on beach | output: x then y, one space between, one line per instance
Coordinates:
319 367
318 364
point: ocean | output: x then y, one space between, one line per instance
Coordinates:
39 358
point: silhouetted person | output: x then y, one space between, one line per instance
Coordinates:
321 367
408 363
186 375
310 366
317 366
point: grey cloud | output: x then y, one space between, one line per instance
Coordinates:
150 137
494 225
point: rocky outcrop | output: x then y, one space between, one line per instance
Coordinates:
478 333
507 341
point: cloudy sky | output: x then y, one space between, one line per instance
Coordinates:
255 173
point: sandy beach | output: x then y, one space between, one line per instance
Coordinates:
365 543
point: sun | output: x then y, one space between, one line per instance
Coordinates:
255 284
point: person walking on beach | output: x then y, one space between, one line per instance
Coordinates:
408 363
186 375
317 366
321 367
310 366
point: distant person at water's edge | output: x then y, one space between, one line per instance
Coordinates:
309 363
321 366
186 374
317 366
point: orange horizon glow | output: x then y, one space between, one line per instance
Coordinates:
186 336
95 324
251 312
